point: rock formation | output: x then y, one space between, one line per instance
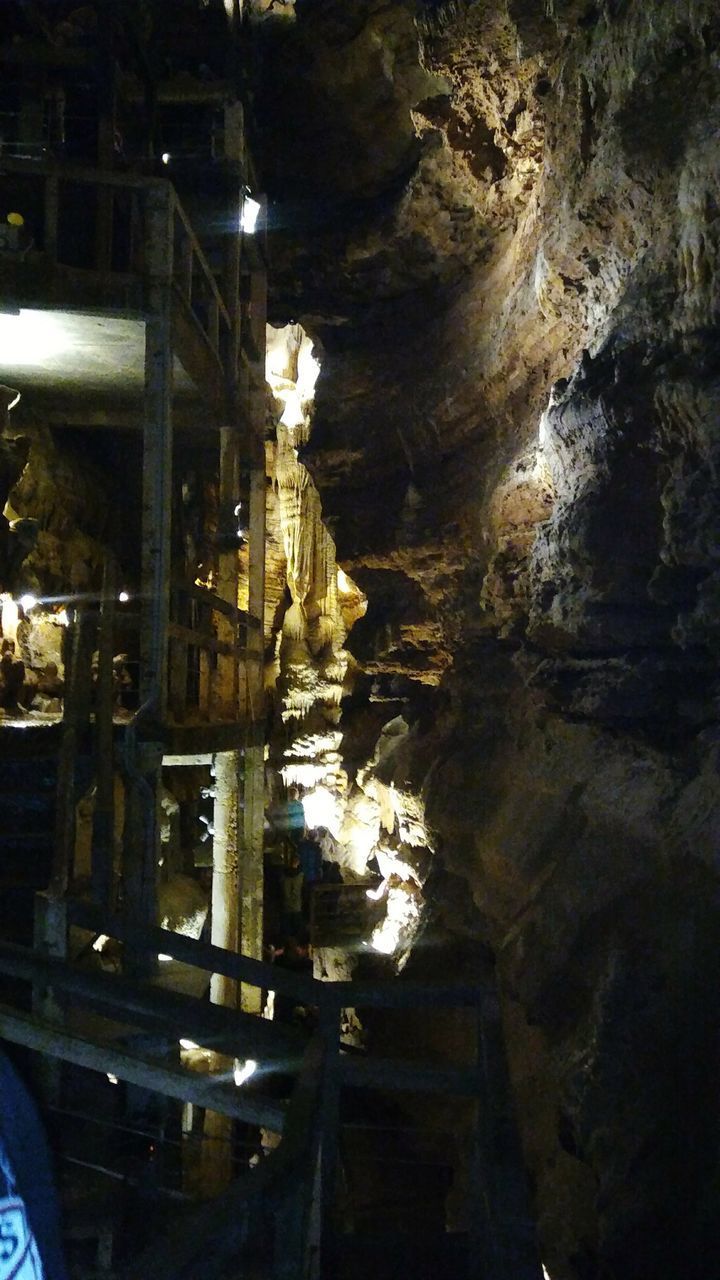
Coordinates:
501 222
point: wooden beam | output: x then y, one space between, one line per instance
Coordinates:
174 1082
127 1002
411 1077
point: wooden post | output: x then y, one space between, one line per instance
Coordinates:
103 834
76 710
505 1243
50 235
144 771
329 1143
157 447
252 879
50 938
225 885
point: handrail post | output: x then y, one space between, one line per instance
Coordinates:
103 833
50 237
144 792
504 1242
329 1125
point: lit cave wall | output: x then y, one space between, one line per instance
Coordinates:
499 224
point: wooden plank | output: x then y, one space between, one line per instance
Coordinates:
174 1082
128 1002
411 1077
202 954
214 601
389 995
202 639
194 350
202 738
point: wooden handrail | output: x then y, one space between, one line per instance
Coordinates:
220 1228
328 995
79 173
202 260
215 602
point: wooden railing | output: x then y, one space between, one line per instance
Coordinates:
301 1185
54 201
204 629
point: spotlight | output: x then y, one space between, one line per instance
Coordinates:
250 213
244 1072
28 602
165 157
188 1044
123 597
112 1078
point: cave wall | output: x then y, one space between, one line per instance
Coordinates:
515 437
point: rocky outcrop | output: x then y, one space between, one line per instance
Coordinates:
514 278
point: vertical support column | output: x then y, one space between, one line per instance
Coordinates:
76 712
252 878
226 691
506 1243
216 1152
145 770
103 834
157 447
326 1266
225 882
50 938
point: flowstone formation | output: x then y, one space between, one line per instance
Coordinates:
506 240
363 820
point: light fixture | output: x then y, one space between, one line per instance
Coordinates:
165 157
188 1044
112 1078
28 602
250 214
123 596
100 942
243 1072
163 957
376 894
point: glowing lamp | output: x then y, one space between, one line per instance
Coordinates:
28 602
123 597
243 1072
249 216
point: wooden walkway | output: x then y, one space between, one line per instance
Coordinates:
295 1188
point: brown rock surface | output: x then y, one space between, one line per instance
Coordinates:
516 437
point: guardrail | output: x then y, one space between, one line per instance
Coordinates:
54 203
300 1185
